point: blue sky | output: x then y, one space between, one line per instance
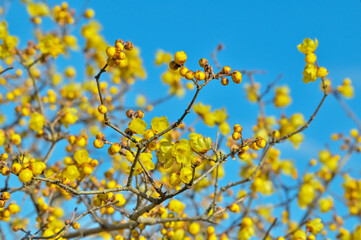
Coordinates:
256 34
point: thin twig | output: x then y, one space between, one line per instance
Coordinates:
270 228
347 109
101 99
132 168
6 69
306 125
93 192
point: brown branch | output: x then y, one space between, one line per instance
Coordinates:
96 218
251 177
106 118
260 103
306 125
270 228
270 86
133 224
93 192
6 69
50 152
158 189
214 55
132 168
180 120
347 109
37 94
66 227
92 231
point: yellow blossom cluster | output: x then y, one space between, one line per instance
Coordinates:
285 166
352 188
252 91
282 97
346 89
311 71
247 229
162 57
308 190
217 117
63 14
51 44
8 43
290 125
9 210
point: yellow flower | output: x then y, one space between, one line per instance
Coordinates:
71 172
357 233
252 91
36 122
69 116
186 175
146 159
119 197
70 41
299 235
38 9
246 231
287 167
201 109
13 208
3 29
322 72
296 140
129 156
199 144
9 44
297 120
15 138
165 151
2 137
176 206
25 175
181 151
50 44
324 156
162 57
310 58
37 167
81 156
137 125
314 226
224 128
209 119
159 124
263 186
282 98
174 179
309 73
220 115
326 204
308 46
173 79
194 228
346 89
141 100
306 195
180 57
89 13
